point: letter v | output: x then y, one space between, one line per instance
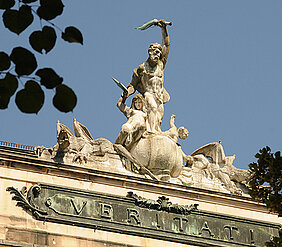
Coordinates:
78 211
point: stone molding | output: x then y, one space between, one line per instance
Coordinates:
12 160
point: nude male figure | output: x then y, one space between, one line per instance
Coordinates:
148 79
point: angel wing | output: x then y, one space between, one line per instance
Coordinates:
61 126
81 131
213 150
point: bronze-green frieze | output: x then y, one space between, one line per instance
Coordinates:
135 215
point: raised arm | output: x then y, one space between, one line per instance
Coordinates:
121 104
131 89
165 41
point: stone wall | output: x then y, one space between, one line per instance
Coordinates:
20 228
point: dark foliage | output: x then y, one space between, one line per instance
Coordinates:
24 60
22 63
72 35
18 20
31 98
49 78
65 99
8 87
276 241
50 9
5 61
43 40
6 4
265 184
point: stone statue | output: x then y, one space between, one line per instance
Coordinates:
209 163
174 133
161 153
148 79
158 151
141 148
133 129
81 148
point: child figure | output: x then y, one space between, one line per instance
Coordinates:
133 129
174 133
182 133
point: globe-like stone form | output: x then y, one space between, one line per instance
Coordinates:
160 154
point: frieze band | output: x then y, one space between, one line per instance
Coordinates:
139 216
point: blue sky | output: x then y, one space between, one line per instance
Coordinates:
223 73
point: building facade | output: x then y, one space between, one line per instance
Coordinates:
44 203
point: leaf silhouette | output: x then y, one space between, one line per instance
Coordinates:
24 60
4 101
31 98
29 1
6 4
5 62
43 40
8 85
18 20
65 99
72 35
49 78
50 9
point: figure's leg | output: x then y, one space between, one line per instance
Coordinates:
128 140
121 138
160 114
137 134
125 130
152 111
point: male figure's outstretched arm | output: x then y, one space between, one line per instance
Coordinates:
165 41
165 50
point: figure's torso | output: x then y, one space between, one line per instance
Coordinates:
136 117
152 79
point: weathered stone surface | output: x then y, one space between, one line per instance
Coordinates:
153 155
25 169
133 215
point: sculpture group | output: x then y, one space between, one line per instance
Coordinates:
142 148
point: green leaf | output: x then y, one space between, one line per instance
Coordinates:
18 20
49 78
4 102
65 99
6 4
5 62
50 9
31 98
24 60
72 35
8 85
43 40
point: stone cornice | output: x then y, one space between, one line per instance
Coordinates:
28 161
